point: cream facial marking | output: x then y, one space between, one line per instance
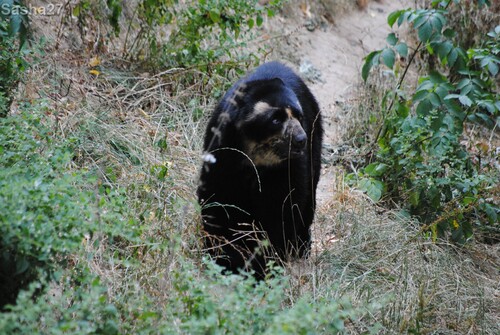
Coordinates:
261 107
262 154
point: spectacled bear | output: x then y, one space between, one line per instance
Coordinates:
262 160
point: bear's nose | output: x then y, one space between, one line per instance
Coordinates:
299 140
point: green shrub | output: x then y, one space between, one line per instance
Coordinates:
209 30
420 162
194 302
13 37
46 211
207 34
82 309
233 304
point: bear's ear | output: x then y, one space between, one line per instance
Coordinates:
255 84
258 88
276 81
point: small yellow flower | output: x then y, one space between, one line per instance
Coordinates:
94 72
455 224
94 61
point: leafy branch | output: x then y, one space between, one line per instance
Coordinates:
420 163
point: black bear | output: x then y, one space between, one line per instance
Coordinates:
262 160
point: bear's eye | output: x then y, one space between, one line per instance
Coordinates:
278 117
276 120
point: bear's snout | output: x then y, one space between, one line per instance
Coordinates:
296 135
299 140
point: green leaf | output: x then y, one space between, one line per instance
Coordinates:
426 84
373 188
370 61
437 22
463 83
260 20
76 11
214 16
391 19
402 110
424 32
452 57
452 96
491 211
388 57
434 99
443 49
420 20
436 77
375 169
493 68
402 49
449 33
424 107
392 39
488 104
414 198
465 100
420 95
480 83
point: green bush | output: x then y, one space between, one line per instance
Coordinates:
46 211
83 309
194 303
420 162
206 34
13 37
209 30
233 304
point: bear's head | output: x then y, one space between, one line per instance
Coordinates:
270 121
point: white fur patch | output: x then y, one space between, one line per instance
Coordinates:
260 108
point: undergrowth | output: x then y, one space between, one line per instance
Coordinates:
100 228
14 31
420 161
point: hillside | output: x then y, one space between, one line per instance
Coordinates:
102 116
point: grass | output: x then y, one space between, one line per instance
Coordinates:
376 259
425 287
371 270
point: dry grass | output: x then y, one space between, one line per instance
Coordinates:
140 133
378 257
360 251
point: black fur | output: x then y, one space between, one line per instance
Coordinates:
258 181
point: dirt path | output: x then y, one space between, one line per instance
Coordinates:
337 53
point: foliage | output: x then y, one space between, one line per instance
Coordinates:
208 35
196 303
45 212
84 309
246 307
72 232
13 37
420 162
201 32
